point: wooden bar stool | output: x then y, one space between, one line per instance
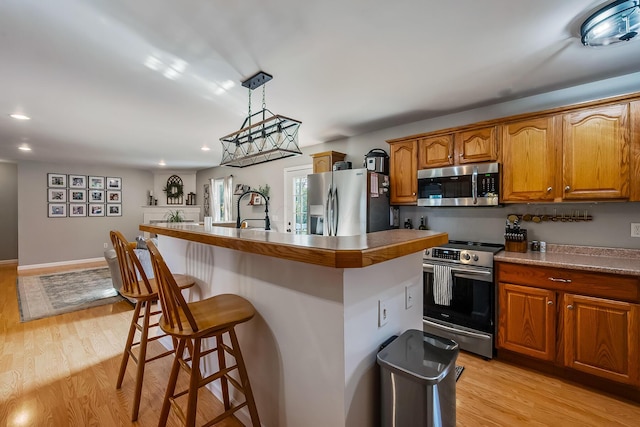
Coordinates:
191 323
144 291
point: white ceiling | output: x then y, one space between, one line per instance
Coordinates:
135 82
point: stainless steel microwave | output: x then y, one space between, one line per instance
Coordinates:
464 185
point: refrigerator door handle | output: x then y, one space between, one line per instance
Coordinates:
336 211
328 213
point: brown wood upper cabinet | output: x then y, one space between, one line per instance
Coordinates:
529 164
595 153
403 173
323 162
435 152
578 155
471 146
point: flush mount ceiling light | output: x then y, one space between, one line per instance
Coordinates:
263 136
616 22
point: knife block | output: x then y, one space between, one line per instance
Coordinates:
515 246
516 241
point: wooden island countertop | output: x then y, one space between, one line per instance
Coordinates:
330 251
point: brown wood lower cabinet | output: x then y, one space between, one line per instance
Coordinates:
601 337
563 318
527 322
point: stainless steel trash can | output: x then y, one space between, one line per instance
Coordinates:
418 381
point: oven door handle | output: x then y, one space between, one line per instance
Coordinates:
453 330
461 272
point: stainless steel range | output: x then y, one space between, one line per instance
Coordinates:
459 294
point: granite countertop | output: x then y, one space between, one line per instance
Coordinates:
587 258
331 251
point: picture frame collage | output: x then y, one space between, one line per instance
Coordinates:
70 195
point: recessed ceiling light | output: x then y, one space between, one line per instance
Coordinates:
24 148
19 117
205 148
162 163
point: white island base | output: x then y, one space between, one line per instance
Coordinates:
311 349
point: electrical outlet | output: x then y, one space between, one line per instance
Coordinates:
635 229
383 313
106 245
409 296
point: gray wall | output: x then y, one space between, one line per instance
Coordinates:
47 240
611 224
8 211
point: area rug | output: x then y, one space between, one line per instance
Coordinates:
459 370
53 294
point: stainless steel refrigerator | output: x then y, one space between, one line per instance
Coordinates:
347 202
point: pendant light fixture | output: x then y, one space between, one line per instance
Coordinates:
263 136
616 22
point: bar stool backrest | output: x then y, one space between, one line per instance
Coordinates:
134 280
175 309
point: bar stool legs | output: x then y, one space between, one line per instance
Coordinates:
196 381
141 359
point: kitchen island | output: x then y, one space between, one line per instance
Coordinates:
310 350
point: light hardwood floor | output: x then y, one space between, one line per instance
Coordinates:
61 371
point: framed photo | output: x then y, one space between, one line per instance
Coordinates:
256 199
240 189
77 181
96 209
57 210
57 195
77 209
113 196
77 196
96 196
57 180
114 210
96 182
114 183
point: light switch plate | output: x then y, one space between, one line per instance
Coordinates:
383 313
409 296
635 229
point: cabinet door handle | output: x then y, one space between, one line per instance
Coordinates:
557 279
549 302
569 307
567 188
449 156
549 189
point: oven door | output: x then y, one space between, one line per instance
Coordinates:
472 297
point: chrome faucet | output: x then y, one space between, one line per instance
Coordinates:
267 223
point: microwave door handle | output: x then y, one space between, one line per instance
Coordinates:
474 184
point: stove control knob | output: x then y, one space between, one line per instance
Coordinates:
475 257
466 256
427 252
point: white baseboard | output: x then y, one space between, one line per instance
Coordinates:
8 261
59 264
